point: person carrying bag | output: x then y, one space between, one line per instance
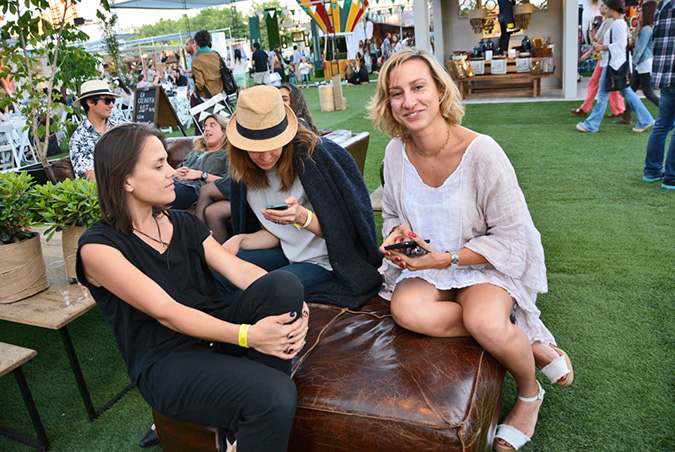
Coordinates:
608 80
617 79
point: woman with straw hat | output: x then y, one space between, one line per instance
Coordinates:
299 203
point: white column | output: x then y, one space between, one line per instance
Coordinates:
421 15
570 14
439 50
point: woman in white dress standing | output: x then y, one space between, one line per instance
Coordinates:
484 263
239 70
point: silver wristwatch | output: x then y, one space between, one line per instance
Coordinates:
455 259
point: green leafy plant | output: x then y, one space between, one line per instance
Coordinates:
16 214
68 203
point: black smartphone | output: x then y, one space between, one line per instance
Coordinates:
410 247
280 206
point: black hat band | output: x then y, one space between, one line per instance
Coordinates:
263 134
95 92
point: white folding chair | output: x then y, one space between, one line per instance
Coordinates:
7 146
129 112
22 143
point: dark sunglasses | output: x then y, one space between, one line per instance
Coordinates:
106 100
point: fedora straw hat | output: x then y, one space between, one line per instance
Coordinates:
92 88
262 122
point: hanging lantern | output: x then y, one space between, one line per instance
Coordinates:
522 13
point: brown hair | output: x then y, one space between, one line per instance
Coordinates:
380 110
200 143
299 105
647 15
616 5
115 157
243 169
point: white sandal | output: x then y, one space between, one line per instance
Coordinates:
558 368
514 438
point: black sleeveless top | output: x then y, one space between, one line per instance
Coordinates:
186 277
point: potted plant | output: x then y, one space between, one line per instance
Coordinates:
70 206
22 268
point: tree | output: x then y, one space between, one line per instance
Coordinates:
109 32
42 56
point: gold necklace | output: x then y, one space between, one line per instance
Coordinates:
159 232
433 154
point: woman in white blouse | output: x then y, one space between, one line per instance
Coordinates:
614 54
484 263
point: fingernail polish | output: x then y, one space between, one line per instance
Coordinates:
387 253
305 312
290 337
291 350
293 314
397 258
412 234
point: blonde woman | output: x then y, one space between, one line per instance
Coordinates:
484 262
206 163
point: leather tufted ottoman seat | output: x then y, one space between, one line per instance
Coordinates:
366 384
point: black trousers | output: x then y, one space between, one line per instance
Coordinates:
186 196
644 82
226 386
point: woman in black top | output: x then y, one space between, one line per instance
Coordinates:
192 357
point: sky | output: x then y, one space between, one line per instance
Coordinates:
129 18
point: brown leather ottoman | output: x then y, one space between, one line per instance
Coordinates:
365 384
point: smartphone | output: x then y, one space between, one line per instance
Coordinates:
280 206
410 247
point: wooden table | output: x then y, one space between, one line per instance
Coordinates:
501 84
509 84
47 310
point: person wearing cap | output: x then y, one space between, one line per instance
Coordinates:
324 232
97 100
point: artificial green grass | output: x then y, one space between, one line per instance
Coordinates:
609 241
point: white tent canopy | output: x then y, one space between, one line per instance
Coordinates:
168 4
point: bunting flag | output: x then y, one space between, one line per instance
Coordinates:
339 17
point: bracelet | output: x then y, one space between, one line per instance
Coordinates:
307 222
454 259
243 335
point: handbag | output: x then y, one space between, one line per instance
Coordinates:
226 76
229 84
617 79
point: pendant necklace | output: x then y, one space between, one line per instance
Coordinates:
433 154
159 232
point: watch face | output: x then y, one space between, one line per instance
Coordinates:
205 175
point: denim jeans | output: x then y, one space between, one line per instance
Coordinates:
273 259
592 123
657 140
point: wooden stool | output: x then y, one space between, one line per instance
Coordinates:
177 436
11 360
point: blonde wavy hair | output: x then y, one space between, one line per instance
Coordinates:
200 143
379 109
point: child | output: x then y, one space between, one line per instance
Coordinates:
291 73
304 67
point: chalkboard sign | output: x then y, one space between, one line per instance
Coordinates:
152 107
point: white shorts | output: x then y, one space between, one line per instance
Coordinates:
261 78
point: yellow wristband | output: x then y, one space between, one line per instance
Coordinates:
243 335
307 222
